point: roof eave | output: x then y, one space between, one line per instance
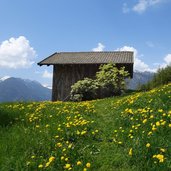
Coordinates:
40 64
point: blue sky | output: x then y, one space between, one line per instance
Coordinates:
32 30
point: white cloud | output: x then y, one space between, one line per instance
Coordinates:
167 59
125 8
99 48
47 74
142 5
139 65
16 53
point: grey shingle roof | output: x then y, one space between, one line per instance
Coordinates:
88 58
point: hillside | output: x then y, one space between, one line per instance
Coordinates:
17 89
127 133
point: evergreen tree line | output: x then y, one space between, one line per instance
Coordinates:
161 77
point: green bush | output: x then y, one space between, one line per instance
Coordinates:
84 90
111 79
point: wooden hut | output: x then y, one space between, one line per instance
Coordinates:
69 67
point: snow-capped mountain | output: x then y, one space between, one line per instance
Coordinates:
4 78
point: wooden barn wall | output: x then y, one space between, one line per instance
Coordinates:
64 76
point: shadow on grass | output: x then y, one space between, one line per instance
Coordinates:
6 118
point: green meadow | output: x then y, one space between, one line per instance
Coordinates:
127 133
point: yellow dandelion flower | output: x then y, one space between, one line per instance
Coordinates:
148 145
64 150
59 145
154 156
162 150
150 133
40 166
157 123
83 132
163 123
160 110
88 165
70 145
67 166
144 121
47 125
62 157
79 163
78 132
152 116
47 164
130 152
33 157
130 111
96 131
154 129
160 157
28 163
51 159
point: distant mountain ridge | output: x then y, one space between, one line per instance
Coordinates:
139 78
17 89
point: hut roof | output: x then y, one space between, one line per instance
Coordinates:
119 57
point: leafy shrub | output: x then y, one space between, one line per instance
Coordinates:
111 79
84 90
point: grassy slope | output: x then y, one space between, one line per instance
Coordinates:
120 124
110 157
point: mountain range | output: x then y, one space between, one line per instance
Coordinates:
139 78
17 89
